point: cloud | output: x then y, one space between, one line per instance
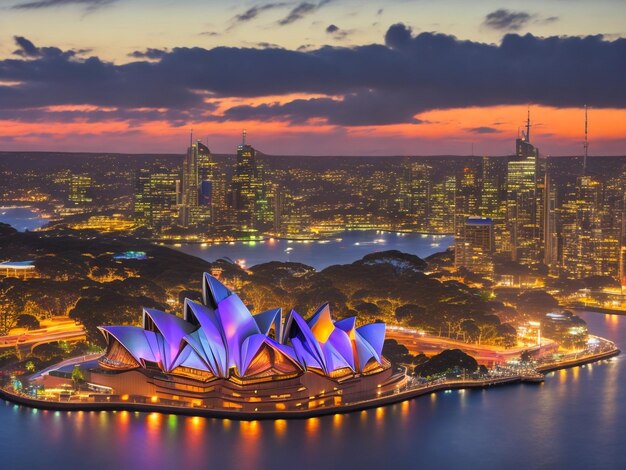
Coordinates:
37 5
373 84
507 20
25 47
483 130
150 53
398 36
336 32
254 12
301 10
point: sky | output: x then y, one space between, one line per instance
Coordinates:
313 77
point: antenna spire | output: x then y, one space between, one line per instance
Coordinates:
191 137
528 126
585 145
243 137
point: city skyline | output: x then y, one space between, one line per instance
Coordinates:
383 79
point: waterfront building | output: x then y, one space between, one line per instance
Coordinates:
219 355
442 203
18 269
591 235
248 192
156 201
474 245
567 329
415 194
105 223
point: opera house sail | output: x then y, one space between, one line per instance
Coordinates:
220 356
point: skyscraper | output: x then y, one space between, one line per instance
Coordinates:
248 193
198 169
493 197
524 214
474 245
415 194
157 197
80 188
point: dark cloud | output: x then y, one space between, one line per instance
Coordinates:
361 85
37 5
398 36
253 12
150 53
301 10
26 47
336 32
483 130
507 20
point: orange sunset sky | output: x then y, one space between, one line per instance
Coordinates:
312 78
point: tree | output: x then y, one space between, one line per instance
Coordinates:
11 304
27 321
396 353
536 302
446 361
77 376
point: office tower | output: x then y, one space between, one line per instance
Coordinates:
525 201
198 169
442 200
415 194
580 228
157 197
551 237
248 193
467 198
80 190
493 197
474 245
290 217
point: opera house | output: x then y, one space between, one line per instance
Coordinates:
220 356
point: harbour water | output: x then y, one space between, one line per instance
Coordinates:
22 218
574 420
346 247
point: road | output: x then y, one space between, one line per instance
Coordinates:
55 329
484 354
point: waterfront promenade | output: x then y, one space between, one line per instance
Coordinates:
412 389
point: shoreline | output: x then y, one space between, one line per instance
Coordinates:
311 413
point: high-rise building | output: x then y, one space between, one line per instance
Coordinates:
442 200
550 227
588 240
467 198
248 193
415 194
474 245
157 197
493 197
198 170
525 192
80 190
